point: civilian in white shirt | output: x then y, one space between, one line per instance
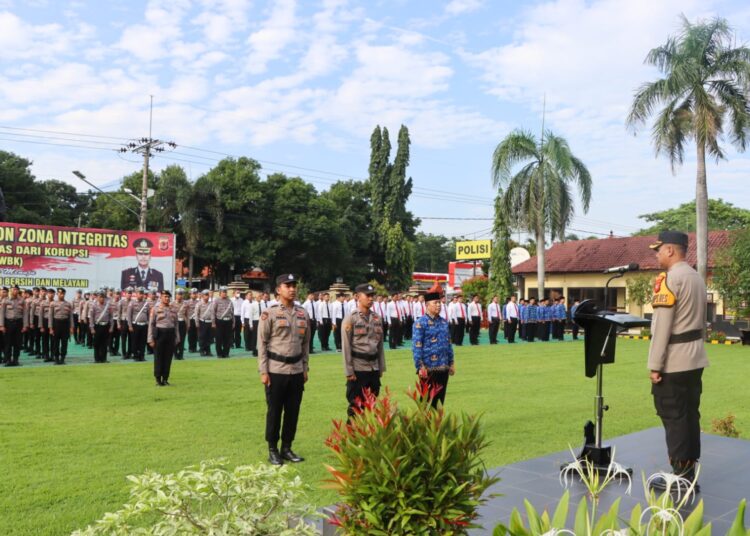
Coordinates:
418 309
324 321
512 317
495 317
395 316
246 320
475 319
444 310
311 307
255 311
237 306
460 318
379 306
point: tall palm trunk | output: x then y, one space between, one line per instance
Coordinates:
701 213
540 262
190 270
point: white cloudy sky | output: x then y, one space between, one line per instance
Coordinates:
300 86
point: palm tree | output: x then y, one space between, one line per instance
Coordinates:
538 196
704 84
199 205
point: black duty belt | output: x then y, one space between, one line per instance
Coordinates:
688 336
283 359
366 357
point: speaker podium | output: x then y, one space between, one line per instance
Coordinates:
600 337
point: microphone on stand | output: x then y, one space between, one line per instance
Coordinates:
632 267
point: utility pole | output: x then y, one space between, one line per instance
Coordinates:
146 147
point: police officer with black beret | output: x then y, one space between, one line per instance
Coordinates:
283 363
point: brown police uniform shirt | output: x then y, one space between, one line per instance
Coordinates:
363 334
284 331
223 309
204 312
138 312
163 317
42 313
60 310
100 313
679 306
13 309
181 308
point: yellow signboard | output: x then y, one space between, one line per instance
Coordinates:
473 249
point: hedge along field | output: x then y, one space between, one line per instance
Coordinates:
69 435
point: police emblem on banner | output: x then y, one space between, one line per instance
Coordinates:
163 243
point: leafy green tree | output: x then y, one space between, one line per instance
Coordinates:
703 93
478 285
399 257
108 211
537 197
722 216
432 253
501 276
25 198
64 204
639 290
731 277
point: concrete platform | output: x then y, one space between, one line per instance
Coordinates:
724 479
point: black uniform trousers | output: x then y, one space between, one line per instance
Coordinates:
60 339
138 338
406 331
224 333
476 323
521 331
530 328
494 328
179 350
37 338
114 339
575 331
313 328
247 331
13 339
284 397
366 379
324 333
76 328
237 331
205 332
193 336
254 338
438 379
511 326
164 345
459 332
677 401
125 341
394 334
101 336
44 335
542 331
337 334
26 336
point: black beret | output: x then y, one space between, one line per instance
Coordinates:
670 237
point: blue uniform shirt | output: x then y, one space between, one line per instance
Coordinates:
431 343
521 312
532 313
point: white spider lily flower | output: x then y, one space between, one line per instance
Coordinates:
681 485
591 477
665 516
559 532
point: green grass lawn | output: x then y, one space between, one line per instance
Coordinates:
69 435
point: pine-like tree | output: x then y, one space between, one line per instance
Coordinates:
501 276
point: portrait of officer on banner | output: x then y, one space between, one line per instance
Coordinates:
142 275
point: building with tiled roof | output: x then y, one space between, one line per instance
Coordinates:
575 268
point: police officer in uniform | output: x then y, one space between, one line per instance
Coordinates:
13 325
180 307
114 338
61 326
192 327
677 355
362 345
42 313
163 335
100 323
138 315
204 314
431 345
283 362
123 328
223 313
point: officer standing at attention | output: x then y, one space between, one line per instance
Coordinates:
204 313
100 323
192 327
42 312
76 319
114 338
180 308
337 319
13 325
431 345
311 307
223 322
163 335
283 363
677 355
475 319
362 345
324 322
494 315
237 330
124 304
138 314
61 326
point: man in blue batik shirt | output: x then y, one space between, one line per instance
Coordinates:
431 344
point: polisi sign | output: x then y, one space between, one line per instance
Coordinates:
474 249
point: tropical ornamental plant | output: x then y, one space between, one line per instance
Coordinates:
400 472
212 499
